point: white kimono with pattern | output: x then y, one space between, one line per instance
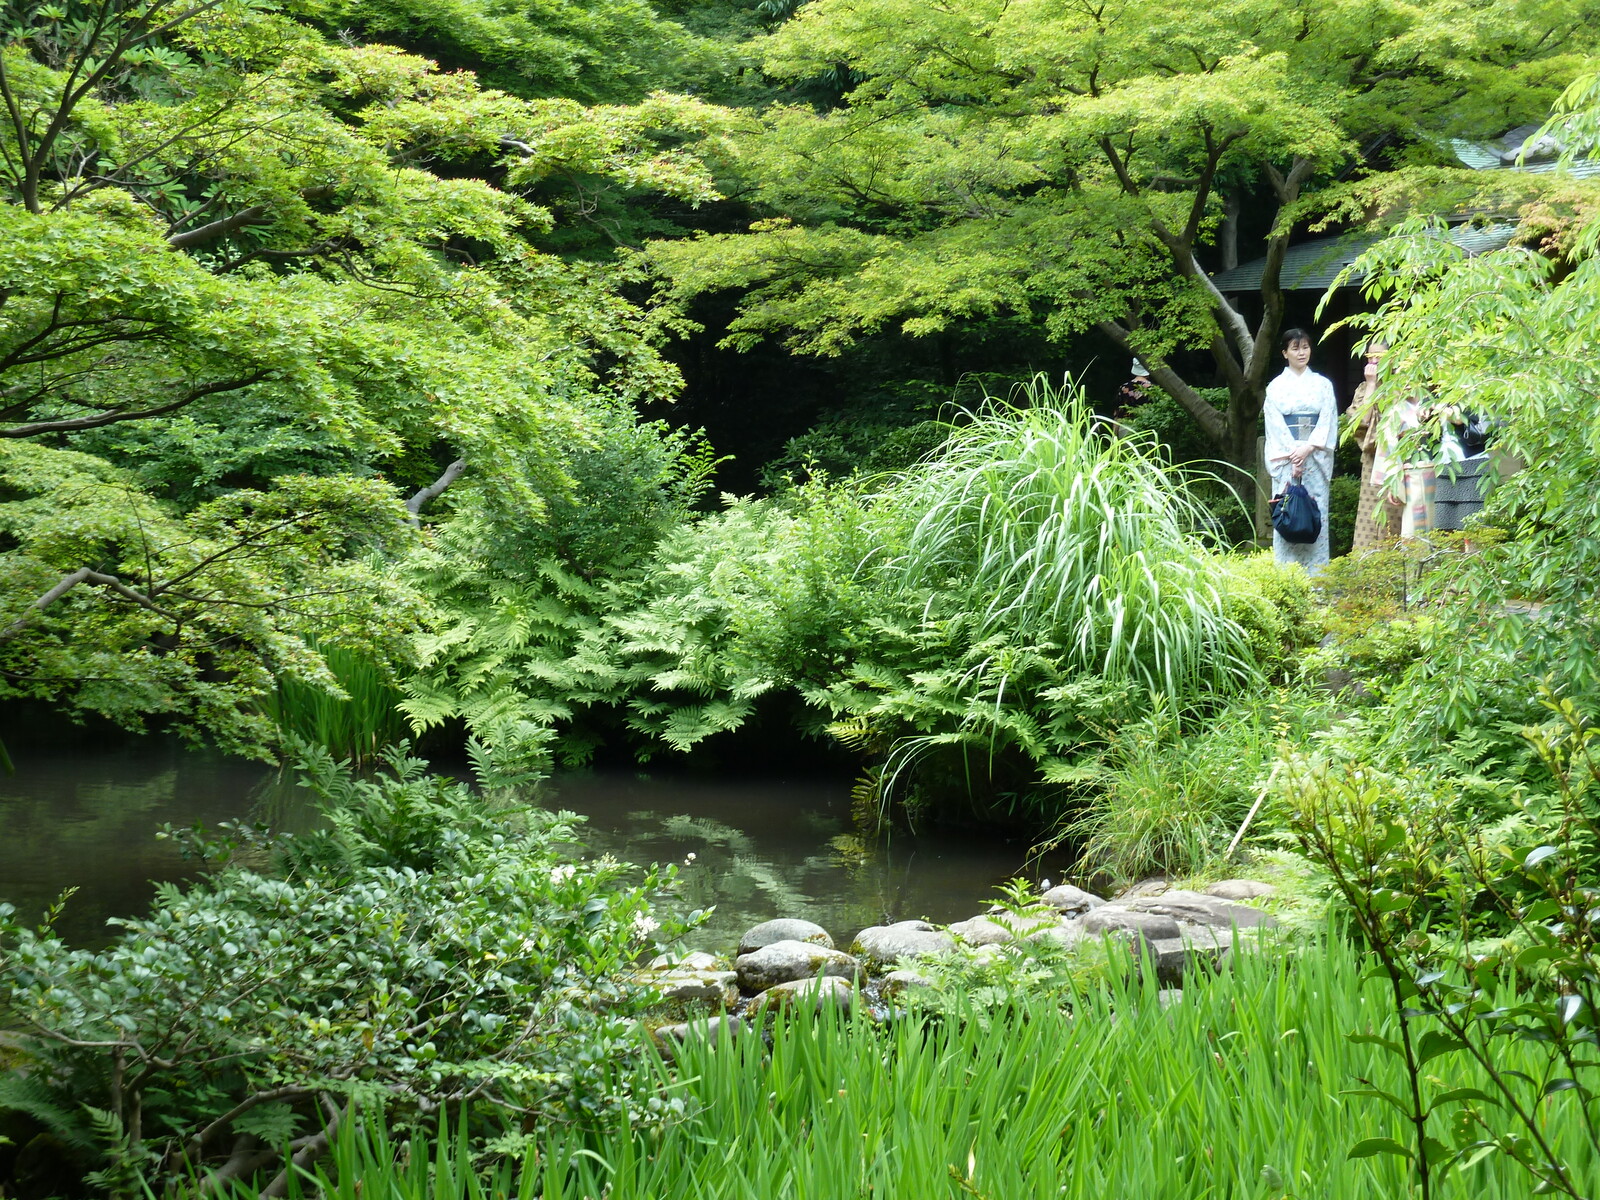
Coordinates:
1301 408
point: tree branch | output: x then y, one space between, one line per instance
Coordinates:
414 505
1212 422
305 1156
198 1142
1120 167
256 214
1272 301
68 582
114 415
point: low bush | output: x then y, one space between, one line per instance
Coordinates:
421 951
1488 943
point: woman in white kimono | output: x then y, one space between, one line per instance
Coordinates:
1302 424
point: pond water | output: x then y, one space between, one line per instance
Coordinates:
86 816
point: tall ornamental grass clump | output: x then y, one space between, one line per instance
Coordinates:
1238 1090
1050 530
1048 587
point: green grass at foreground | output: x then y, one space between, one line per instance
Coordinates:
1235 1092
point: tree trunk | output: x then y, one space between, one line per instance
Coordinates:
1240 448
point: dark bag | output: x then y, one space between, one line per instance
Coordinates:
1295 515
1475 434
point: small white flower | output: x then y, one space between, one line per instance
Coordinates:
561 873
688 858
643 926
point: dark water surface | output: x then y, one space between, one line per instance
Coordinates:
86 816
771 848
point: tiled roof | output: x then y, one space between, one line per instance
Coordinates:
1313 265
1512 151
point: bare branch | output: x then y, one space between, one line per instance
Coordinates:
256 214
68 582
112 416
1197 406
198 1142
306 1155
414 505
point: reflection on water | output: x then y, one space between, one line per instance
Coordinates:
87 817
765 849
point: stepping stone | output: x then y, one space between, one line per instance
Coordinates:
784 929
1199 909
785 962
885 945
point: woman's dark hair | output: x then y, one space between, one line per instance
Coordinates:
1290 336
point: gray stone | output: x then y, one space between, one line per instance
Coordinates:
898 983
784 929
982 931
784 962
1175 958
699 987
1071 900
1167 997
1067 932
884 945
1118 918
1241 889
717 1029
695 960
1199 909
808 995
1153 886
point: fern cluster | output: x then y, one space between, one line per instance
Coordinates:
975 626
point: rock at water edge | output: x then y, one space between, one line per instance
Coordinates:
1071 900
784 929
1118 918
808 995
699 987
716 1029
785 962
1195 908
885 945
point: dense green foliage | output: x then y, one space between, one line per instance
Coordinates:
977 623
241 320
422 949
1235 1090
1081 167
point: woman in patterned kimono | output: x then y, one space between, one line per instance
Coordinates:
1302 421
1377 513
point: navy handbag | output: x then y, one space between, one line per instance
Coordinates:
1295 515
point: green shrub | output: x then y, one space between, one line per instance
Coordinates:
1273 605
1488 943
420 951
1171 789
